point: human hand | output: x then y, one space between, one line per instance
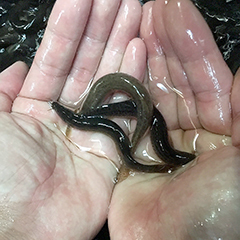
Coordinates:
51 188
194 89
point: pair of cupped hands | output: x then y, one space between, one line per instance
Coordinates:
54 187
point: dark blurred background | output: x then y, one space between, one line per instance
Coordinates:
22 25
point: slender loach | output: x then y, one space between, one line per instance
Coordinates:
91 118
108 127
131 86
158 131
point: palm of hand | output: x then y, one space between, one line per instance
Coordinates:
56 184
46 182
57 187
200 202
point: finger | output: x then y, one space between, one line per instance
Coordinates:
126 27
134 60
185 107
235 98
57 50
158 70
201 65
11 81
107 52
90 50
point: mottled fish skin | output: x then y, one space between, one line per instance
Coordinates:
129 85
110 128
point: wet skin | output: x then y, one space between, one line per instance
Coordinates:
158 131
140 107
91 118
108 127
127 84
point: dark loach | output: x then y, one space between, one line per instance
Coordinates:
110 128
222 16
91 117
140 107
158 131
112 82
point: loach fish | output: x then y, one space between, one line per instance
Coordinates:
158 131
127 84
91 118
110 128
